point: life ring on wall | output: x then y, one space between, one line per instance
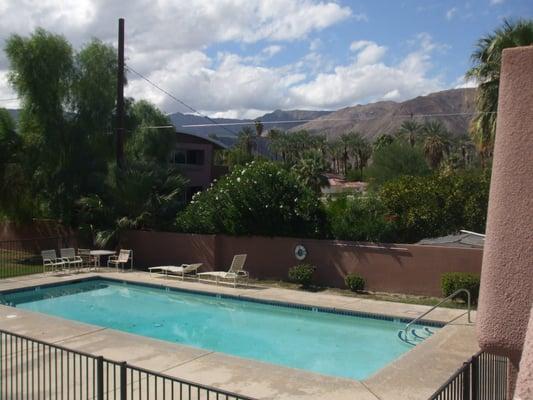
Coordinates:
300 252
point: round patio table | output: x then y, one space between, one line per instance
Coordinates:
98 254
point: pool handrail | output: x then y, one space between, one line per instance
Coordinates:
406 329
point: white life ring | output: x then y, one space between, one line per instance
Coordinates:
300 252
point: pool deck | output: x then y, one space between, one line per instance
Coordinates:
415 375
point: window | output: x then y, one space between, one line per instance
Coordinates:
190 157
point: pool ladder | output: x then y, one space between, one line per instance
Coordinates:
418 334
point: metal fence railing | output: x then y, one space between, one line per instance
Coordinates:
482 377
33 369
23 256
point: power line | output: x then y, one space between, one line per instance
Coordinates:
178 100
338 119
13 99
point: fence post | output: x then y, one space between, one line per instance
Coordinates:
100 378
123 381
475 379
466 380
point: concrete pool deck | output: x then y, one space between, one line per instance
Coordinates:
414 375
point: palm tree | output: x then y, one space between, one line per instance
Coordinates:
434 128
383 141
434 150
410 129
486 71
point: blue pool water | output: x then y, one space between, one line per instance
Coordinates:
332 344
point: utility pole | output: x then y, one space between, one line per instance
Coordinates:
120 96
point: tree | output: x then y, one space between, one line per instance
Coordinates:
67 109
410 129
434 149
311 169
486 71
261 198
382 141
395 160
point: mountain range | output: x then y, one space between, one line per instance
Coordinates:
454 108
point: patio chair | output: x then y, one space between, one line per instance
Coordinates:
52 261
235 271
87 259
124 256
190 270
71 259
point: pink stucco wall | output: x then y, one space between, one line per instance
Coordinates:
507 274
411 269
524 386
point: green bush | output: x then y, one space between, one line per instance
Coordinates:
453 281
302 274
395 160
354 282
432 206
360 218
261 198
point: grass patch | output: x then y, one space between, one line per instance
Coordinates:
394 297
18 263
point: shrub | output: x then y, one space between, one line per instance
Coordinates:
437 205
302 274
354 282
360 218
396 159
261 198
453 281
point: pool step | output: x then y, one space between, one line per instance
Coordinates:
415 335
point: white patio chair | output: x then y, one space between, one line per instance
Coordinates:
71 259
184 270
235 271
124 256
88 260
52 261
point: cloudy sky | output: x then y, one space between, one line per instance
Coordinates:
242 58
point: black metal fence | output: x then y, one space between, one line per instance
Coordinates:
33 369
23 256
483 377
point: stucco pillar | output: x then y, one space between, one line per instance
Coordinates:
524 386
507 273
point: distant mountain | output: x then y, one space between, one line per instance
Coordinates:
181 120
381 117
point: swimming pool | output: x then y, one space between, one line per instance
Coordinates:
330 343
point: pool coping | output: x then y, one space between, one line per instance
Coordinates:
382 385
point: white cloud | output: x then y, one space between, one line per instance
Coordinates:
461 83
450 14
367 52
170 41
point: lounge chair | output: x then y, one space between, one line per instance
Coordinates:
124 256
52 261
183 270
235 271
70 258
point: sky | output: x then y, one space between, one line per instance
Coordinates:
243 58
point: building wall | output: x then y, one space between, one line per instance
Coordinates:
198 175
411 269
507 278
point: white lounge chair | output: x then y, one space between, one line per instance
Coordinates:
183 270
124 256
235 271
70 258
52 261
